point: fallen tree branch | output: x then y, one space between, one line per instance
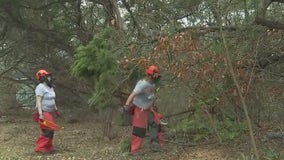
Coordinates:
275 135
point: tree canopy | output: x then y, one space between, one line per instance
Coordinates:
96 49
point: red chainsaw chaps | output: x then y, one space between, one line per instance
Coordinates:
44 143
140 118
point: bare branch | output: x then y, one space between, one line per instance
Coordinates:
242 99
12 67
135 23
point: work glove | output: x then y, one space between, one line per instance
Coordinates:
163 122
40 117
124 109
57 113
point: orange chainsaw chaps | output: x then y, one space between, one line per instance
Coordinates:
44 124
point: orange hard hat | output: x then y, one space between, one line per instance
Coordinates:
41 73
152 69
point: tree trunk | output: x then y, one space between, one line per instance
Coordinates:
114 18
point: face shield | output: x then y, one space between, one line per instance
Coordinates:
49 80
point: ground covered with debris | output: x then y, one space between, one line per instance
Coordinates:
82 139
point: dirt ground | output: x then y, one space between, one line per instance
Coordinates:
82 139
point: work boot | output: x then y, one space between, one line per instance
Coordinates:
135 154
155 147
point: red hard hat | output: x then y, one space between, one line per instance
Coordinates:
151 70
41 73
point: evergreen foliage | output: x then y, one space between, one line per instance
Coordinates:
96 60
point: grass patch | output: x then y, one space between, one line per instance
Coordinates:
125 145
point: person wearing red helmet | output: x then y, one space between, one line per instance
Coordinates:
46 106
142 101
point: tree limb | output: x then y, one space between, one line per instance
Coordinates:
261 20
12 67
135 23
268 23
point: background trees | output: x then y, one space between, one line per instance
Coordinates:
182 36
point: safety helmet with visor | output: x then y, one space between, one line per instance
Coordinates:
42 73
151 70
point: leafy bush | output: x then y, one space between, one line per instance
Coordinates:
273 155
197 126
229 129
125 145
